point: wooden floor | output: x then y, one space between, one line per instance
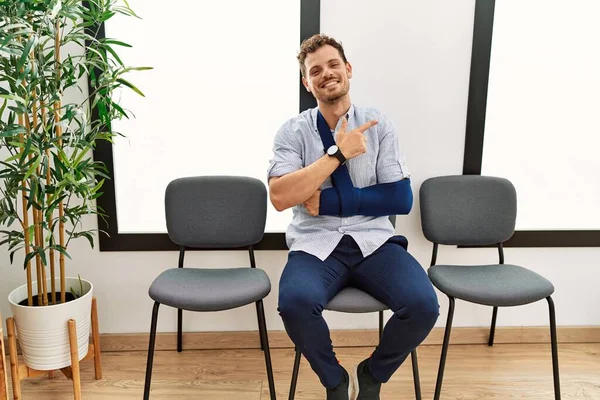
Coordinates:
472 372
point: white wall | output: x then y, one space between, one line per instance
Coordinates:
411 60
556 79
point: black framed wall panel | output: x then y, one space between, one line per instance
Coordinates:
113 240
478 103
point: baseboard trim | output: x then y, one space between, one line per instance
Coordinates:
345 338
123 342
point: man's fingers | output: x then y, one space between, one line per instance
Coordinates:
344 125
366 126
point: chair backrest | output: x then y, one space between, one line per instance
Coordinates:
216 211
468 210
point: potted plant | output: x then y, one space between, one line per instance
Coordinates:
48 178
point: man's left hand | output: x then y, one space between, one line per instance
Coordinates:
312 204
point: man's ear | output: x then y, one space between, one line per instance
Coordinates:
349 69
305 83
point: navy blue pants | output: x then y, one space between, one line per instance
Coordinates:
390 274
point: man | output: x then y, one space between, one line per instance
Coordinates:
340 234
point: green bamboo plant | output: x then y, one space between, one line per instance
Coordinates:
48 178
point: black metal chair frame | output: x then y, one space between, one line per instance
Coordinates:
262 327
553 339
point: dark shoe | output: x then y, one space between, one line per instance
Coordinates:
366 387
343 390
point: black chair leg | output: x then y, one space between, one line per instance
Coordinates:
179 330
295 375
262 345
380 325
554 342
262 327
416 379
493 327
151 351
440 377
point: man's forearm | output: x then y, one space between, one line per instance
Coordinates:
394 198
297 187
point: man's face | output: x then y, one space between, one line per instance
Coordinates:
327 77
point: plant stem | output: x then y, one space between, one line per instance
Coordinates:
42 267
61 210
21 118
49 220
37 214
36 235
26 226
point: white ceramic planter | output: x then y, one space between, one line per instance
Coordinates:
43 331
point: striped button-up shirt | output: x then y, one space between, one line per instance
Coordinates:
298 144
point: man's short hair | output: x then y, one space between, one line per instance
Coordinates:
314 43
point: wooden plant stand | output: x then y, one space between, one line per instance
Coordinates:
3 373
20 372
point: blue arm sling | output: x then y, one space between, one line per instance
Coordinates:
344 200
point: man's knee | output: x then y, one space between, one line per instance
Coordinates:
298 305
428 310
422 312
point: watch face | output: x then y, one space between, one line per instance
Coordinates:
332 150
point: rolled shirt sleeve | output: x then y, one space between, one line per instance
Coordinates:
391 166
287 154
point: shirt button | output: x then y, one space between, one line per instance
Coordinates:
345 221
341 230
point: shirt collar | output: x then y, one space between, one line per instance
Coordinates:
350 115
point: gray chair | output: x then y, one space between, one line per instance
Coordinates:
213 212
475 210
353 300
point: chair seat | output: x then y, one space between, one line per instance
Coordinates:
499 285
353 300
208 289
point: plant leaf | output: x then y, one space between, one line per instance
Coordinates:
13 97
55 9
131 86
61 250
116 42
25 55
12 131
28 258
33 167
114 54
